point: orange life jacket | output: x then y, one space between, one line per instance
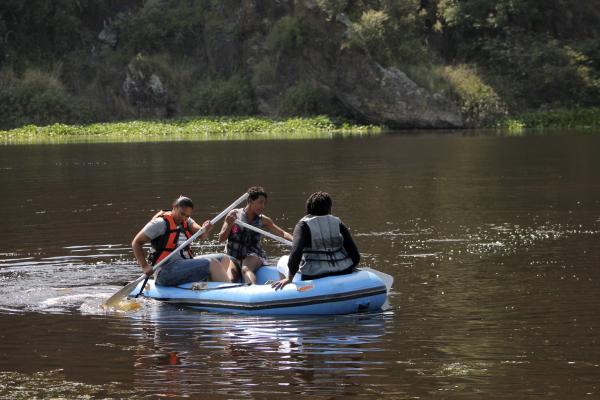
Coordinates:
163 245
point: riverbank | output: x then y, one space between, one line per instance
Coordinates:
403 64
257 128
581 118
205 128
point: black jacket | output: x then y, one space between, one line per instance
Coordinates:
302 239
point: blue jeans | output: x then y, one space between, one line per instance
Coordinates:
189 270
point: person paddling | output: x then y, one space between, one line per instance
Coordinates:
243 244
166 231
322 245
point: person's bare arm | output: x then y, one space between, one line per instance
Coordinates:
138 251
195 227
227 224
274 229
301 240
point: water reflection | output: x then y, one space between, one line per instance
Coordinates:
183 352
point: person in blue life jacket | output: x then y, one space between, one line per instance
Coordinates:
322 245
165 232
243 244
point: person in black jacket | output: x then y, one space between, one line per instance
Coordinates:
322 245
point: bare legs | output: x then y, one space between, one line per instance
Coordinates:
232 271
219 269
249 266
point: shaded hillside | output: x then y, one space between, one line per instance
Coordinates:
402 63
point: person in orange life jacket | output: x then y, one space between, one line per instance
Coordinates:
244 244
166 231
322 245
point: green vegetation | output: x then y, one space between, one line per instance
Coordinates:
209 128
303 99
533 53
88 61
40 98
566 118
220 97
264 72
493 57
286 34
479 102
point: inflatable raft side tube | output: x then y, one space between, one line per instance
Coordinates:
240 305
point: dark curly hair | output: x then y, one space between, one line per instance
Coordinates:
255 192
319 203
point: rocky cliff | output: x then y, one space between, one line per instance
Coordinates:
311 52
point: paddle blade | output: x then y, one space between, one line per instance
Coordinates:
388 280
282 265
114 300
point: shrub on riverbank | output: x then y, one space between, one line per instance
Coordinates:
40 98
479 103
220 97
565 118
304 100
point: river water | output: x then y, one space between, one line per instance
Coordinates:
493 243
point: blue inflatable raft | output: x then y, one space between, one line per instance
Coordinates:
361 291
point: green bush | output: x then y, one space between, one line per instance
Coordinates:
370 31
560 118
265 72
540 71
303 99
331 8
392 35
287 34
479 103
39 98
152 64
162 26
220 97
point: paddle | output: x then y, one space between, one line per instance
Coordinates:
262 232
388 280
125 290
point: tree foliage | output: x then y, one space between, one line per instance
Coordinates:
221 97
489 54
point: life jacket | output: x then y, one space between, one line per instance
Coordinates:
163 245
242 241
326 253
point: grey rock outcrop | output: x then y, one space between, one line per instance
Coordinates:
363 88
234 41
387 96
108 35
146 93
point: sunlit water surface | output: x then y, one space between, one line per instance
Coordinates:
492 241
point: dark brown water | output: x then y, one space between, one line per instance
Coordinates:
493 243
